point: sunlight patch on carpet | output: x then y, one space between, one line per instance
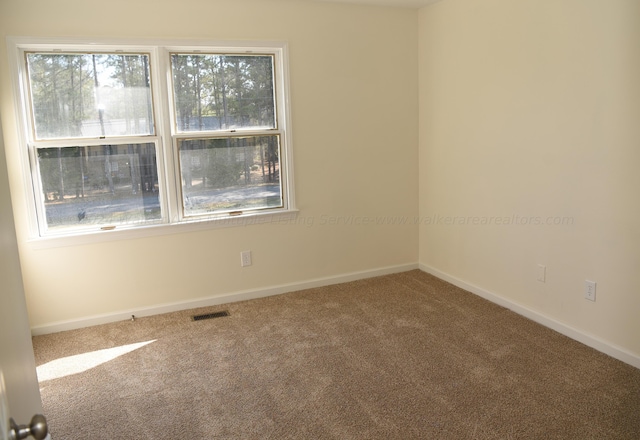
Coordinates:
78 363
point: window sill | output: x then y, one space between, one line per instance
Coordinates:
129 233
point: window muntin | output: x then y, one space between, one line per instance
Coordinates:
84 95
223 92
85 187
230 174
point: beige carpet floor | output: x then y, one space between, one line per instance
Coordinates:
404 356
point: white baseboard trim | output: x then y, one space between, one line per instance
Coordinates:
89 321
587 339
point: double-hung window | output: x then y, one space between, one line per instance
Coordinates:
123 136
226 132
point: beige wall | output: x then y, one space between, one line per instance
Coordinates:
532 108
354 109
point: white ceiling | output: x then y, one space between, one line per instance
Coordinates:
396 3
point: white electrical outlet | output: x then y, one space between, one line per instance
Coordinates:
245 258
542 273
590 290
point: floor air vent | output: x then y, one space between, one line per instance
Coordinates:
210 315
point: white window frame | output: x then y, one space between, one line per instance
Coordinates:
165 137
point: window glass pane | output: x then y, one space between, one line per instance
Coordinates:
90 95
106 185
223 92
230 174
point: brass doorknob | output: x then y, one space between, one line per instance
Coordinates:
38 429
